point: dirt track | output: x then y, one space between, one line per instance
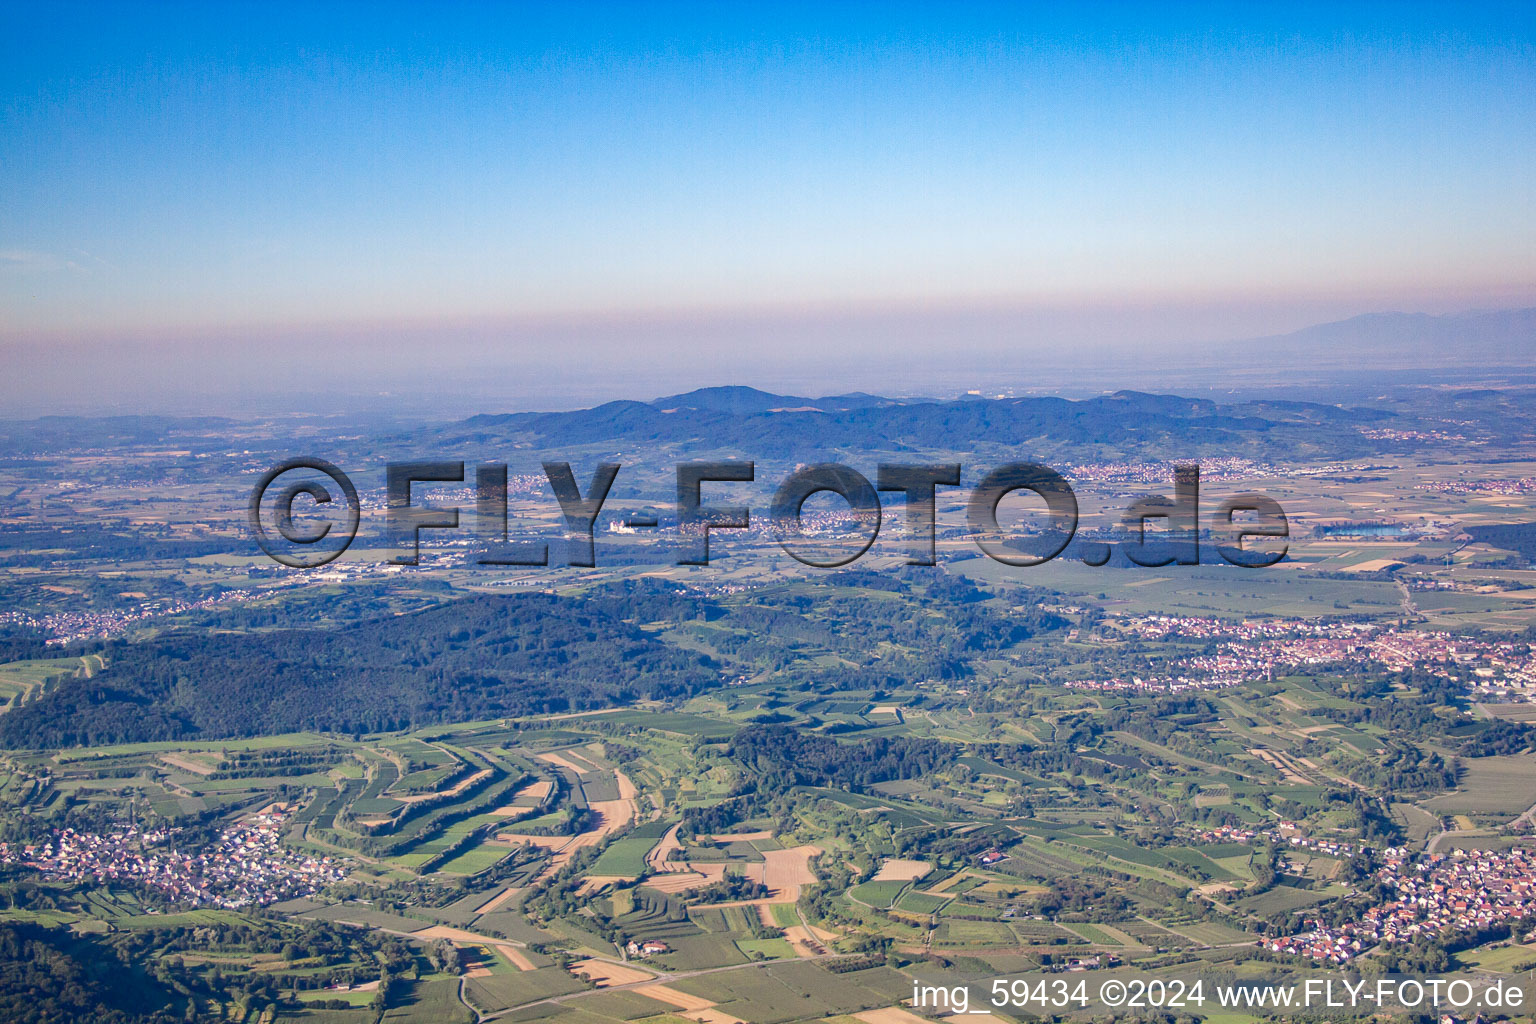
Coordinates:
696 877
612 815
660 857
894 870
458 788
604 974
784 872
496 901
695 1007
516 957
563 762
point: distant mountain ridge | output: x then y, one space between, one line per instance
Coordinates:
784 425
1492 401
741 400
1492 338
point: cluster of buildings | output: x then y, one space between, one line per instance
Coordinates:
1395 434
1464 891
1494 667
1467 890
1287 834
1197 627
834 522
449 494
1076 964
649 947
246 865
1211 470
1158 684
1504 486
1326 945
1162 472
1252 650
68 627
1430 583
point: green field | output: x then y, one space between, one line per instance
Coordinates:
624 857
1502 785
878 894
476 859
770 949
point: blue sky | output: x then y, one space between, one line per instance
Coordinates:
187 170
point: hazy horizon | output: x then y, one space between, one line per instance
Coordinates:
416 375
218 207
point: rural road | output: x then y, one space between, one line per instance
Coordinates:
1525 817
1450 833
467 1004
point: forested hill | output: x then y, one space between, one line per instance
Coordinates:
500 656
798 758
476 658
776 425
50 976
